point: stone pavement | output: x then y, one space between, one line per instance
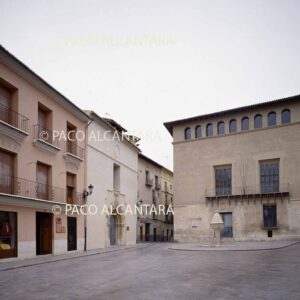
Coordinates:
152 271
236 246
44 259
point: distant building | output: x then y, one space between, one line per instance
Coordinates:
242 163
154 188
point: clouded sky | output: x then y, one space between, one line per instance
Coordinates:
147 62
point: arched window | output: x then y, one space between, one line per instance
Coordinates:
187 133
285 116
232 126
221 127
209 130
245 123
198 131
258 121
272 118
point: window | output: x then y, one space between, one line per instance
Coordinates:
157 183
269 176
42 178
221 127
223 180
8 234
187 133
270 216
71 188
258 121
149 181
245 123
209 130
232 126
272 119
198 132
285 116
116 178
71 139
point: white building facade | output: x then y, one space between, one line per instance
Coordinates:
112 164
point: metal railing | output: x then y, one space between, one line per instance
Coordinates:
25 188
46 135
13 118
247 190
74 149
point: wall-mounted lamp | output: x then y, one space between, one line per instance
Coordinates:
89 191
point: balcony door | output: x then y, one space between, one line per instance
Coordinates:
71 188
5 104
42 178
6 172
43 124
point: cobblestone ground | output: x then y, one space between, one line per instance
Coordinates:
154 272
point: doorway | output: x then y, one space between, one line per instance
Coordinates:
227 230
112 230
147 232
43 233
141 233
72 233
154 234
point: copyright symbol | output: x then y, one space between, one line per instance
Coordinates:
44 135
56 209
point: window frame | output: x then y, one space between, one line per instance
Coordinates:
187 131
242 123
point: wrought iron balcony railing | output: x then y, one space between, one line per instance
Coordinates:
46 135
25 188
257 191
13 118
74 149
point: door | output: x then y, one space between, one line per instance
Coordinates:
72 234
5 104
270 216
112 230
167 235
42 178
43 233
6 172
147 232
154 234
227 230
141 233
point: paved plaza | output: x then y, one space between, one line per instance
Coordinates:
153 271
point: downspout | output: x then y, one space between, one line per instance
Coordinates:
85 177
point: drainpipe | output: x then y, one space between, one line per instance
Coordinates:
85 177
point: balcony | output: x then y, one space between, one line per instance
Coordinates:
13 124
149 181
45 140
73 153
248 192
11 185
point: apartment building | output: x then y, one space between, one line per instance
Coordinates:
112 166
154 188
38 170
242 163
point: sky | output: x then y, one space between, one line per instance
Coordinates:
143 63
